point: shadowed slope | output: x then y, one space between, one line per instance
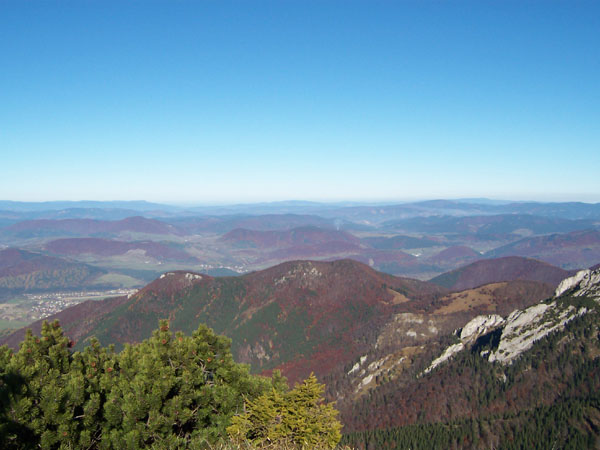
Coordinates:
501 269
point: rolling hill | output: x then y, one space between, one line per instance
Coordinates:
21 270
302 236
454 256
399 242
262 222
501 269
569 250
109 247
88 227
497 224
389 261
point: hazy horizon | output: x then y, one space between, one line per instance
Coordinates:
349 202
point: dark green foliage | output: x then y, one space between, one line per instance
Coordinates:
579 302
166 392
40 396
541 428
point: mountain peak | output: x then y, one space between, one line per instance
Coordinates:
170 283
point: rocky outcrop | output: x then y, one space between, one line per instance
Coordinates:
480 325
584 283
448 353
569 283
523 327
475 328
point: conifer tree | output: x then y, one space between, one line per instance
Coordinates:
165 392
40 392
298 417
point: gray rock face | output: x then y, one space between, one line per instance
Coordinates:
522 328
583 283
476 327
589 285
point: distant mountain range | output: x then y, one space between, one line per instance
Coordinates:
139 205
263 222
109 247
308 235
498 224
352 211
417 239
88 227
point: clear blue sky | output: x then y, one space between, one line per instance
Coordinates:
217 101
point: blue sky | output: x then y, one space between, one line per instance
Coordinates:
218 101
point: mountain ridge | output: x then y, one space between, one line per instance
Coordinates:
294 308
501 269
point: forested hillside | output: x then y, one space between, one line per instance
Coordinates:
546 398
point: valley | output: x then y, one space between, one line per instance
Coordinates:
20 311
